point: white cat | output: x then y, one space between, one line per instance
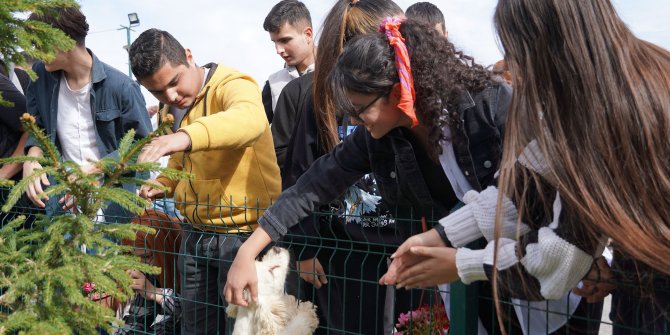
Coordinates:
276 312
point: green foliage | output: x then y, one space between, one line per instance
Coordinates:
18 35
43 268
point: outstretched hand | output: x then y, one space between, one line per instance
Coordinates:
34 189
311 271
242 282
150 192
164 145
436 265
598 282
403 258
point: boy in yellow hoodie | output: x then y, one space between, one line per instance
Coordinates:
222 136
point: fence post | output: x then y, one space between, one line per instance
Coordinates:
464 302
463 308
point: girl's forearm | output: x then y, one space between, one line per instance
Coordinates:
253 246
9 170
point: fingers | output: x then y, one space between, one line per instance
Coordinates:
321 273
156 149
149 193
389 278
135 274
403 248
155 193
315 278
410 275
235 295
45 180
33 192
35 187
382 280
311 271
68 201
311 278
144 155
150 153
228 294
584 291
399 265
425 251
143 191
593 292
253 290
417 280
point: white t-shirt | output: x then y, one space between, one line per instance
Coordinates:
75 125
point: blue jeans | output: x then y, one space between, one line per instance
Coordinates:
166 206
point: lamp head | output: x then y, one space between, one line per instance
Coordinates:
133 19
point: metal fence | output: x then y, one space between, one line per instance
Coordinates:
352 301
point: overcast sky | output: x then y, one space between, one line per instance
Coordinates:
231 32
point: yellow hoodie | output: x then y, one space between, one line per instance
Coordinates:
232 157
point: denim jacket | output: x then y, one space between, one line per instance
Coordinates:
393 162
117 105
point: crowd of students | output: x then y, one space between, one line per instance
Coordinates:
432 167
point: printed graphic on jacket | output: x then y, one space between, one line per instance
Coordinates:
362 203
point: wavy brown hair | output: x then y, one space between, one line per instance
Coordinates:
344 21
441 76
597 100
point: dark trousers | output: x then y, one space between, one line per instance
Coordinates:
353 302
635 314
204 260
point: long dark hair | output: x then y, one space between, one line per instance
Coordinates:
441 75
345 20
597 100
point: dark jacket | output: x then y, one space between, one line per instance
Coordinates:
10 126
117 105
292 102
393 162
266 96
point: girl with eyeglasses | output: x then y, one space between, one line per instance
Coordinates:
427 140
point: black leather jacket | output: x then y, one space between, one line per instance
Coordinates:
393 162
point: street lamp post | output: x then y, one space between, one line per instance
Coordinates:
133 21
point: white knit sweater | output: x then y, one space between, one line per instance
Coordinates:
547 261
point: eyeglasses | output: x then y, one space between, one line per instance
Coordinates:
356 114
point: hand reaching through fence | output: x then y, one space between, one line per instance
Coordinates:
598 283
436 265
144 287
241 277
311 271
403 258
242 274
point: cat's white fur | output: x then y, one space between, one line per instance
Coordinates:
276 312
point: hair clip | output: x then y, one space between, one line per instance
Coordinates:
353 2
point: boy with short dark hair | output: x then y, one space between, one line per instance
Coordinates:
84 105
222 137
290 26
429 13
